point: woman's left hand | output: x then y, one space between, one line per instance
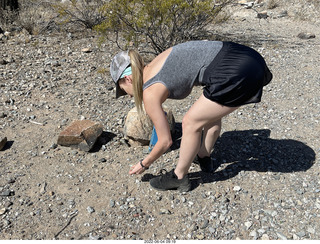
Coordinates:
136 169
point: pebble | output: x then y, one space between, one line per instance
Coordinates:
164 211
265 237
90 209
200 237
237 188
7 193
2 211
112 203
205 224
248 224
281 236
311 230
254 234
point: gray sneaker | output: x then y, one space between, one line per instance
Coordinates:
169 181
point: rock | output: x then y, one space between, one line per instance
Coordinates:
262 15
3 211
81 134
90 210
164 211
7 193
200 237
237 188
139 129
3 141
86 50
3 62
43 188
281 236
248 224
306 35
205 224
254 234
311 230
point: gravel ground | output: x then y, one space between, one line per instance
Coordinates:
266 185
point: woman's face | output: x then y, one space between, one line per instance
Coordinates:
126 84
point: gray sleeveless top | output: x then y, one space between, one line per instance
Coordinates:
184 67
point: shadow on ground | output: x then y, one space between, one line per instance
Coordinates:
252 150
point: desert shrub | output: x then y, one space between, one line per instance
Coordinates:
8 13
160 23
85 13
32 15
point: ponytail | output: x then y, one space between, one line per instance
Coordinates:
137 66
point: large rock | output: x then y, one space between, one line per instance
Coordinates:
81 134
3 141
138 129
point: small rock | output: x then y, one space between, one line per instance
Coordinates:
194 227
112 203
43 188
248 224
237 188
306 35
205 224
7 193
86 50
92 237
102 160
164 211
301 234
200 237
212 230
3 141
265 237
3 211
311 230
254 234
281 236
3 62
11 180
90 210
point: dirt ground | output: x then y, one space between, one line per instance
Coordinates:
266 185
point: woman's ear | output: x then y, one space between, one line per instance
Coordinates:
128 78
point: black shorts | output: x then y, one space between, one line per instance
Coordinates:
236 76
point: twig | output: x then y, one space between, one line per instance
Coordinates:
37 123
68 223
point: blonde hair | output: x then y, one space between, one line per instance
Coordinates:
137 66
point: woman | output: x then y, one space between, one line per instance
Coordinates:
231 75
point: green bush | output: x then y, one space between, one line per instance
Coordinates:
85 13
160 23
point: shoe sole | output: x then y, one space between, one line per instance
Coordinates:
179 188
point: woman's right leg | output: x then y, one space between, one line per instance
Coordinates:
211 132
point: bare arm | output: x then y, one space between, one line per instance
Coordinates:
153 98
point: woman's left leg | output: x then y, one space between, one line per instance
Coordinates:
204 112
